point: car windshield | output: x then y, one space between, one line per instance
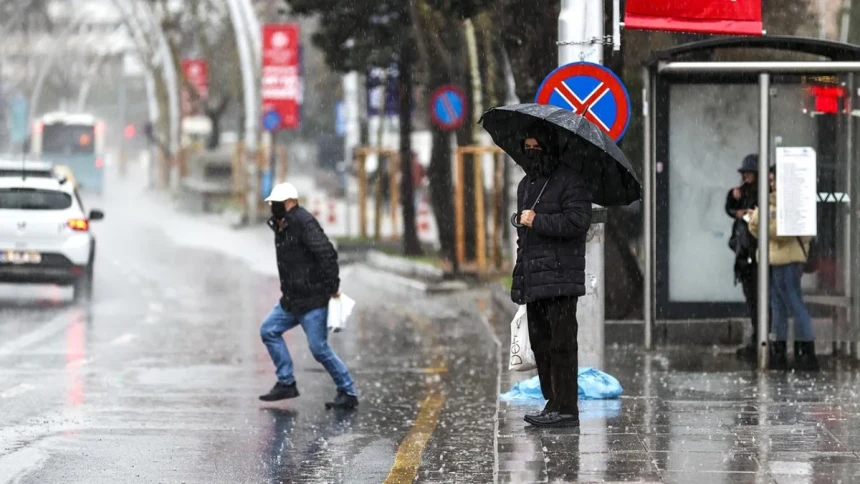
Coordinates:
34 199
6 173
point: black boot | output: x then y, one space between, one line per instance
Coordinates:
804 356
778 357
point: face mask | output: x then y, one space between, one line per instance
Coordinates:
279 210
533 154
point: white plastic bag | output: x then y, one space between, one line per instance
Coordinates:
339 310
522 356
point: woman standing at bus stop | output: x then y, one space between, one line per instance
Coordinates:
787 256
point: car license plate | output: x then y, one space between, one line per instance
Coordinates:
16 257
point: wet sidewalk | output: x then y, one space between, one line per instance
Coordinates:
693 415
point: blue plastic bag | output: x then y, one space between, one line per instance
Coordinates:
593 385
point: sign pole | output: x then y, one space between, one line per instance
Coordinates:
580 36
273 157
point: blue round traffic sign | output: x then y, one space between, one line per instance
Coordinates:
271 120
592 91
448 107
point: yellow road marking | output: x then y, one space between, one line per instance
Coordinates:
409 452
408 457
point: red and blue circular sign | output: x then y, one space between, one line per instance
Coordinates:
271 120
592 91
448 107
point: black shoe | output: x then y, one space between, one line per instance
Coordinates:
747 352
804 357
280 392
555 419
343 401
778 357
540 414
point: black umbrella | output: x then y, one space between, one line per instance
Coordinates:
576 141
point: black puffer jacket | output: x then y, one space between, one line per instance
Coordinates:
307 262
551 254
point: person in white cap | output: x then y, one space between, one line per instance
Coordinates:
307 266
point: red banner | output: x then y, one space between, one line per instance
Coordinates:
197 73
282 84
735 17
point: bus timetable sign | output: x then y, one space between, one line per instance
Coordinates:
281 90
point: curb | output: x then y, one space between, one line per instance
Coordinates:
414 275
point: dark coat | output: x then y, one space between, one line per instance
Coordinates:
741 241
551 254
307 262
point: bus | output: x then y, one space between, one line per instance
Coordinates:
73 140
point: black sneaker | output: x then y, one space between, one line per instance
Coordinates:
280 392
343 401
555 419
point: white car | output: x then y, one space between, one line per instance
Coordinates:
45 234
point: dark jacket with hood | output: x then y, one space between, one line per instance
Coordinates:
551 253
307 262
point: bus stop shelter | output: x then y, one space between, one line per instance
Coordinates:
703 114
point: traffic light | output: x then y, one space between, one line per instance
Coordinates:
130 131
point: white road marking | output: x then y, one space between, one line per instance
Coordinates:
18 464
43 332
124 339
16 390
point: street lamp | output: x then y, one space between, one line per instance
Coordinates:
249 85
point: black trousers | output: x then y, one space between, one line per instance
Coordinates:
552 330
749 282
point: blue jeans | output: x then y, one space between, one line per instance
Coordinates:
786 299
315 324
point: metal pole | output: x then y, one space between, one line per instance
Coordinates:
121 103
246 61
582 21
249 16
847 335
459 208
647 214
273 156
764 219
853 254
758 67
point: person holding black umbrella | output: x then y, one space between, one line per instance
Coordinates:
554 207
570 163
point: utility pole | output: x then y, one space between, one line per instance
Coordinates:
580 37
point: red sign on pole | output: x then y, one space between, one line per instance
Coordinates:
282 84
734 17
197 73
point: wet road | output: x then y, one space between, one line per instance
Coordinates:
157 380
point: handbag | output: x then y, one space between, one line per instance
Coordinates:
811 265
522 356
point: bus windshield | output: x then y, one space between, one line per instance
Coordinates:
68 139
